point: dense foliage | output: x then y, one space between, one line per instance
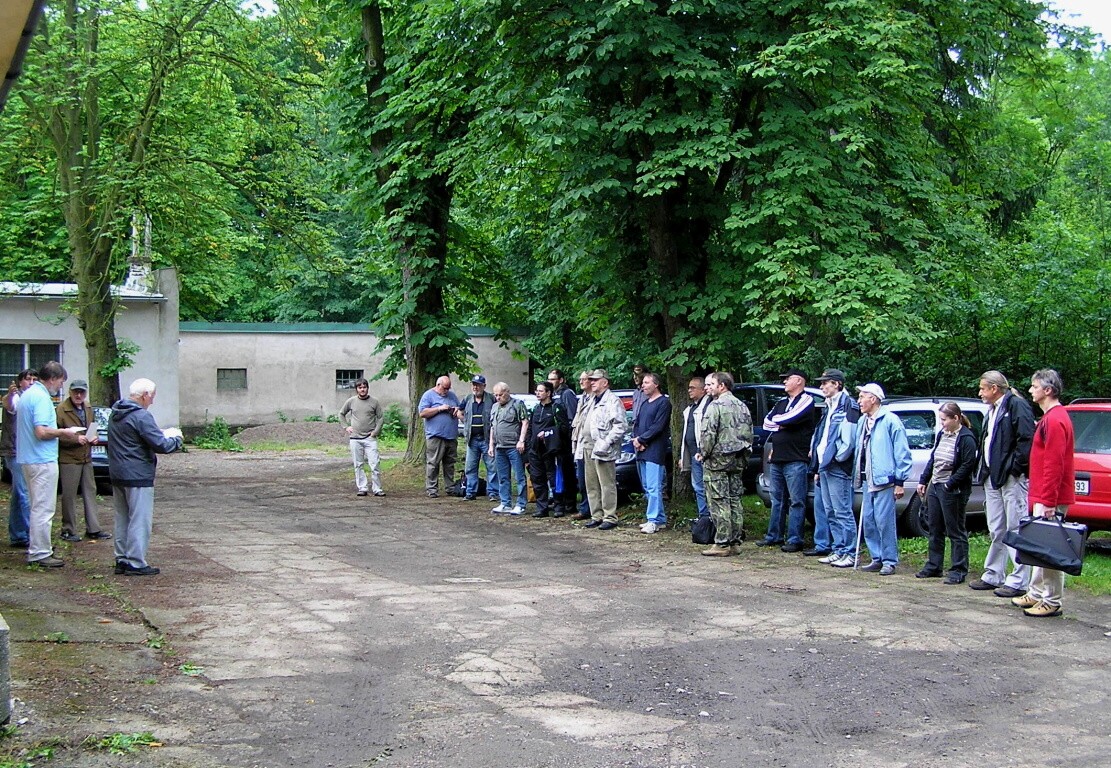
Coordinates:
911 191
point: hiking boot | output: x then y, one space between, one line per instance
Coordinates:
47 562
146 570
718 550
1024 601
1008 592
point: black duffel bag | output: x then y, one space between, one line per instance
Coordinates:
1049 543
703 530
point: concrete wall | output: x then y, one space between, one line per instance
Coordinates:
291 368
151 321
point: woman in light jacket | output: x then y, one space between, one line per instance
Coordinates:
945 485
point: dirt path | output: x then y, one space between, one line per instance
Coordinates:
321 629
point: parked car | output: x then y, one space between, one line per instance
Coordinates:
922 423
1091 423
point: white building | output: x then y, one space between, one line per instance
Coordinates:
261 373
36 326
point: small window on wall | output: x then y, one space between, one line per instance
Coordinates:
15 356
231 379
346 378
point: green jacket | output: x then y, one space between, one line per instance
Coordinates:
726 432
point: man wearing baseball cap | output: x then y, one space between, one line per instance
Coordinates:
602 439
831 462
791 425
881 469
476 432
75 465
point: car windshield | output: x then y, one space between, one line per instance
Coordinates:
1093 431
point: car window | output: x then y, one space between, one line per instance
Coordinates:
1092 430
976 419
920 428
750 397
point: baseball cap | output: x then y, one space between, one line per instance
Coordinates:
480 379
599 373
873 389
832 374
79 384
793 372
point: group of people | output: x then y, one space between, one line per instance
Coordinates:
45 443
571 442
858 445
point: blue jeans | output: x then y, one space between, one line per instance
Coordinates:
787 483
477 449
19 511
508 459
878 518
580 478
837 500
652 481
698 483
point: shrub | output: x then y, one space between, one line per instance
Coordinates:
393 422
217 436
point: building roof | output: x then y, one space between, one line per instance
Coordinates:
18 19
67 290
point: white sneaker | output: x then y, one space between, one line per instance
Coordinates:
649 528
500 509
516 511
845 561
832 557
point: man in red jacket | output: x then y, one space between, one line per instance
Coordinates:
1052 485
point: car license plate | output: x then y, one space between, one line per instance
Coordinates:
100 450
1082 487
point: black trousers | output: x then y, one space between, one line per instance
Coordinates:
541 470
945 513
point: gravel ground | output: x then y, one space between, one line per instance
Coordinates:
293 433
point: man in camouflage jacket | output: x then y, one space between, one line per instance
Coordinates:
725 446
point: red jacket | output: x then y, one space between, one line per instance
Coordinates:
1052 481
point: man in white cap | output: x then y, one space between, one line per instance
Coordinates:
881 469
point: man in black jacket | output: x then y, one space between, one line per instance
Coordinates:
791 424
133 440
1008 433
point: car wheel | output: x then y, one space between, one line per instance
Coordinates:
913 521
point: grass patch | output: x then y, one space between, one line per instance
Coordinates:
123 743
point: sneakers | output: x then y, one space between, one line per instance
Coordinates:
981 586
887 569
718 550
516 511
845 561
361 493
872 567
1043 610
829 559
47 562
593 524
499 510
67 536
649 528
379 492
1008 592
97 535
1024 601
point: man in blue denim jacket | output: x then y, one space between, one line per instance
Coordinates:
881 469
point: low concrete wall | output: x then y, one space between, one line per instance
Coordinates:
5 673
